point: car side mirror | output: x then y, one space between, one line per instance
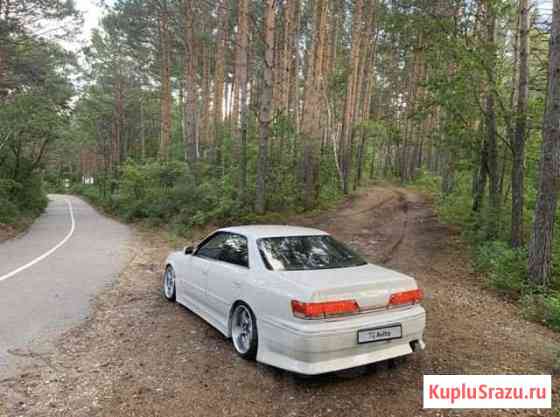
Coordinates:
188 250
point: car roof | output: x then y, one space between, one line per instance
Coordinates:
270 230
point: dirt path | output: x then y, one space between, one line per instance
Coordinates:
139 355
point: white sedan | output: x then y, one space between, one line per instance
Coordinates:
297 299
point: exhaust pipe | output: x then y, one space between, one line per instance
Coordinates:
417 345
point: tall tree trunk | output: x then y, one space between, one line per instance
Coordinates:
241 72
287 56
311 121
351 91
366 87
4 85
540 245
448 174
219 79
142 131
518 145
165 57
265 114
491 129
119 145
278 58
234 101
117 118
294 88
373 159
205 141
360 158
335 28
481 178
190 105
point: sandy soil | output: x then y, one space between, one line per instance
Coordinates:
138 355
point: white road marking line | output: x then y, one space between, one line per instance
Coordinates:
49 252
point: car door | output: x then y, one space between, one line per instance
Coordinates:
226 276
195 278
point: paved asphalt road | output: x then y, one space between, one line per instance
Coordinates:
52 289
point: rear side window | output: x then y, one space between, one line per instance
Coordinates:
235 250
226 247
213 246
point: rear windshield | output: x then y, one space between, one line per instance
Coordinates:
296 253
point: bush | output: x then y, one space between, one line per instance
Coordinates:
552 311
20 200
167 194
543 308
93 194
31 197
506 268
453 208
533 307
427 182
9 210
146 191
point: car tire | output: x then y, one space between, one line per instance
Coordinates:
169 283
244 333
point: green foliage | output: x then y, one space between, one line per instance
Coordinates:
8 208
427 182
552 311
453 208
21 199
543 308
505 268
171 194
33 114
167 194
94 195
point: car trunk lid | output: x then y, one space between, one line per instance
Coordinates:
369 285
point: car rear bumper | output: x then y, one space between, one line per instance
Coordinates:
318 347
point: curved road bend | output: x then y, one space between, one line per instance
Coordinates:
49 275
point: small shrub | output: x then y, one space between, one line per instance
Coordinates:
506 268
20 200
552 311
427 182
93 194
9 210
533 307
542 308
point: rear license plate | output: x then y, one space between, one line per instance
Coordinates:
380 333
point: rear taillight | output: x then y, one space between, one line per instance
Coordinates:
324 309
406 297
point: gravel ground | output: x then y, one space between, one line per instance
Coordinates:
138 355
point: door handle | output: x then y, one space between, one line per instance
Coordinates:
237 284
205 273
